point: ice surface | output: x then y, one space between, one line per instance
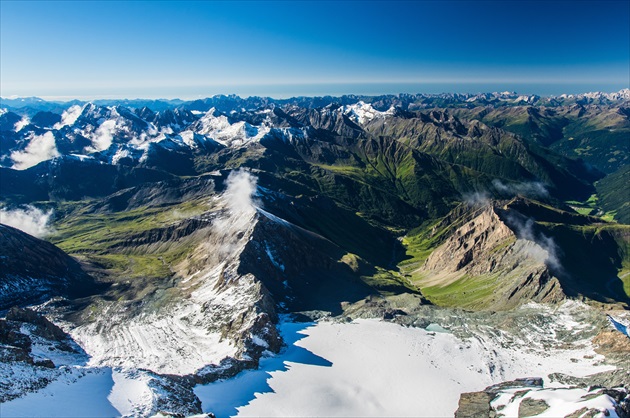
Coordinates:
376 368
79 393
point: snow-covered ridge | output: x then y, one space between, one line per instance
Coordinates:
116 132
623 94
362 112
229 134
194 327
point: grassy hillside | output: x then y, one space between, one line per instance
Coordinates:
614 194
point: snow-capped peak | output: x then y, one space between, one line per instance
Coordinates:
362 112
222 131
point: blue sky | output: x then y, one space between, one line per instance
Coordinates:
194 49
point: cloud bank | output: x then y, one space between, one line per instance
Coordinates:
240 208
69 116
528 189
22 123
40 148
31 220
103 136
547 251
241 186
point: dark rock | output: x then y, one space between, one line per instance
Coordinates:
530 407
587 413
392 313
474 405
33 271
43 327
623 407
48 363
10 335
15 354
528 382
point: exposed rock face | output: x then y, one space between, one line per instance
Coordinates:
43 327
24 336
530 407
614 345
474 405
32 270
484 248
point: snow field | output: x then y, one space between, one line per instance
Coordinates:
375 368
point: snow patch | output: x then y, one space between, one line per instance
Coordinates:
272 259
231 135
561 401
76 393
362 112
620 325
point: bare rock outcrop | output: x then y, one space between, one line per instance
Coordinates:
499 266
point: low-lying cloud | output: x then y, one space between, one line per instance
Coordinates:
476 199
240 207
103 136
22 123
29 219
40 148
69 116
547 251
528 189
241 186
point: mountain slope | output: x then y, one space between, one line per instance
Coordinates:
34 271
501 255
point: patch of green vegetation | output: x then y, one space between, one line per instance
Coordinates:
614 194
583 211
388 282
419 243
592 207
132 266
111 241
609 216
466 292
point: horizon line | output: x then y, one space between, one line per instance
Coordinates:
89 98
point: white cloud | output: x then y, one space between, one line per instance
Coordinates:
40 148
241 207
241 186
69 116
547 250
104 136
476 199
22 123
529 189
31 220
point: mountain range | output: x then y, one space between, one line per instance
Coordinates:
171 236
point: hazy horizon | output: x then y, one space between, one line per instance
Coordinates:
281 92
